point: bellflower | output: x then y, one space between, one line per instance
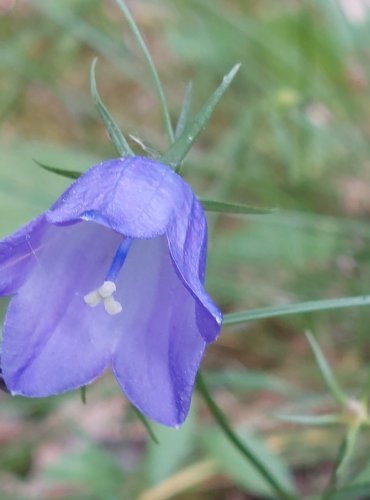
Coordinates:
112 275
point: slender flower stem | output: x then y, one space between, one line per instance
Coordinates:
153 71
237 442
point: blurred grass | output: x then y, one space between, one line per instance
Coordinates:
292 133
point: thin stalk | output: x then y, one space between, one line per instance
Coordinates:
237 442
152 69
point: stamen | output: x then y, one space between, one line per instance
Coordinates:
107 289
112 306
92 299
105 294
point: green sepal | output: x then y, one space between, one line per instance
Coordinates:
175 155
71 174
113 130
184 113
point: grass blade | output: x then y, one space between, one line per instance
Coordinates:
345 452
153 71
298 308
325 370
233 208
237 442
310 419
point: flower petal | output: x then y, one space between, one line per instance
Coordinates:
18 252
134 196
159 353
187 241
53 341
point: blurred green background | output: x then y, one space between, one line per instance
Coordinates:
292 133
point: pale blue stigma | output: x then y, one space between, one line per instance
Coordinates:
119 259
106 291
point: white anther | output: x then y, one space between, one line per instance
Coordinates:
112 306
92 299
105 293
107 289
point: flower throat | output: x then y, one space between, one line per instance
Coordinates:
106 291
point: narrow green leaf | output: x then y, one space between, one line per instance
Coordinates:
311 419
71 174
152 69
300 307
325 370
179 149
113 130
233 208
231 462
348 448
345 451
184 113
146 424
243 447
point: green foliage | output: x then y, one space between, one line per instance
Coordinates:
173 449
91 471
231 462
